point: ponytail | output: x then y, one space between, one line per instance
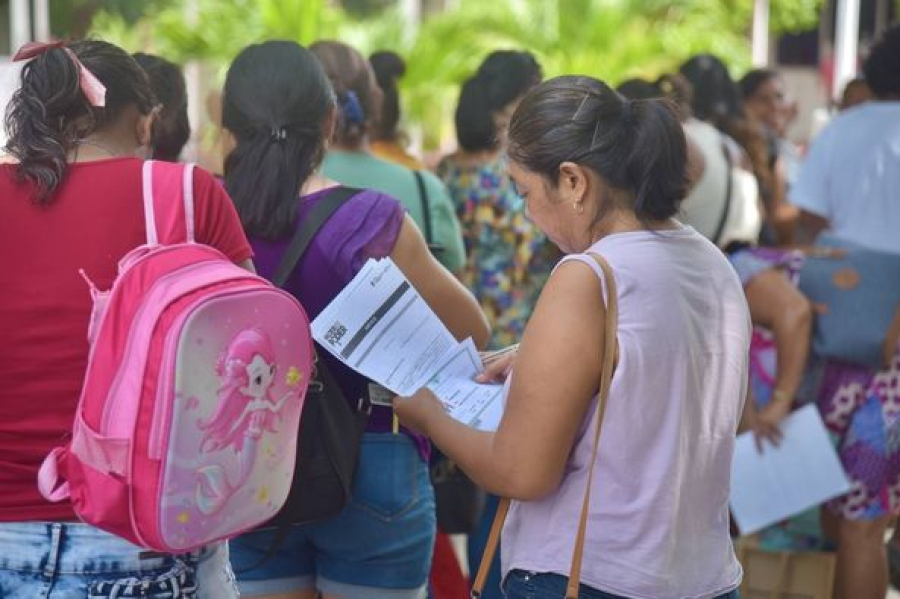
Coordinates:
388 67
50 113
475 128
45 117
275 103
358 95
264 174
636 146
657 165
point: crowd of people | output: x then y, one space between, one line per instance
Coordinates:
687 186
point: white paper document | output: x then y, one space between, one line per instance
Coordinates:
802 472
381 327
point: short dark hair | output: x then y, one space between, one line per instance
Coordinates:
638 89
275 102
388 67
753 80
503 77
357 92
636 146
882 67
717 98
49 113
172 129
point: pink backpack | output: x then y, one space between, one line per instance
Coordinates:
187 425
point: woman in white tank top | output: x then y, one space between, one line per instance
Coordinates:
603 174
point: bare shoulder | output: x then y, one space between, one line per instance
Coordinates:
573 283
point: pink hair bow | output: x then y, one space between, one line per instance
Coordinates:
92 88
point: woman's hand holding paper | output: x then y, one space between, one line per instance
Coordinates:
419 410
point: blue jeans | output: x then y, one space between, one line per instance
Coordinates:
528 585
379 546
44 560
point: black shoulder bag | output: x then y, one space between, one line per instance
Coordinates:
330 430
726 209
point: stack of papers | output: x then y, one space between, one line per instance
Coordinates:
381 327
802 472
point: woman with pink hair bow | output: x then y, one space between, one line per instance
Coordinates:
79 127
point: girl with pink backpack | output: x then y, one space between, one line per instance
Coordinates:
74 200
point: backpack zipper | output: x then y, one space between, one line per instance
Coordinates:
112 411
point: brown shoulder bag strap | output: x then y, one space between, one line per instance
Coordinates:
610 350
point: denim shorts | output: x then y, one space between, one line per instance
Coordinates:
65 560
519 584
379 546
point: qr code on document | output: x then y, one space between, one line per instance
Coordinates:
335 333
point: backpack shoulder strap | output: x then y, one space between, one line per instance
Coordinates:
426 208
168 193
308 229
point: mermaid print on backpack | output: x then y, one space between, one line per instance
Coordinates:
186 430
245 412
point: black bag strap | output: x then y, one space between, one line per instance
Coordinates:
720 228
306 232
308 229
426 210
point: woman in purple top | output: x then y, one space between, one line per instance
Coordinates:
278 112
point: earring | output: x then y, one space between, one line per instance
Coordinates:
578 207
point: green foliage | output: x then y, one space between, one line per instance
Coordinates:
610 39
71 18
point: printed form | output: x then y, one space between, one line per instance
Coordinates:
802 472
381 327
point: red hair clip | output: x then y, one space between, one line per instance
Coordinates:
92 88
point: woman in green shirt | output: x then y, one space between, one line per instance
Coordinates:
349 160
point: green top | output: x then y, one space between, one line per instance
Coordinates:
358 169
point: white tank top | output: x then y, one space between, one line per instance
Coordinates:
704 206
658 523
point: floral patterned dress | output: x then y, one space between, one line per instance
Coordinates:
860 406
508 258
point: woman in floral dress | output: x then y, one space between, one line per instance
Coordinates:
508 259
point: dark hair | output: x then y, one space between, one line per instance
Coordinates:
275 102
636 146
357 92
677 89
49 113
172 129
503 77
638 89
717 98
882 67
753 80
388 67
857 83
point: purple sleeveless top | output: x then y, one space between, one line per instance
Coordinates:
366 226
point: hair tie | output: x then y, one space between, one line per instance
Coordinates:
278 133
352 109
91 87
